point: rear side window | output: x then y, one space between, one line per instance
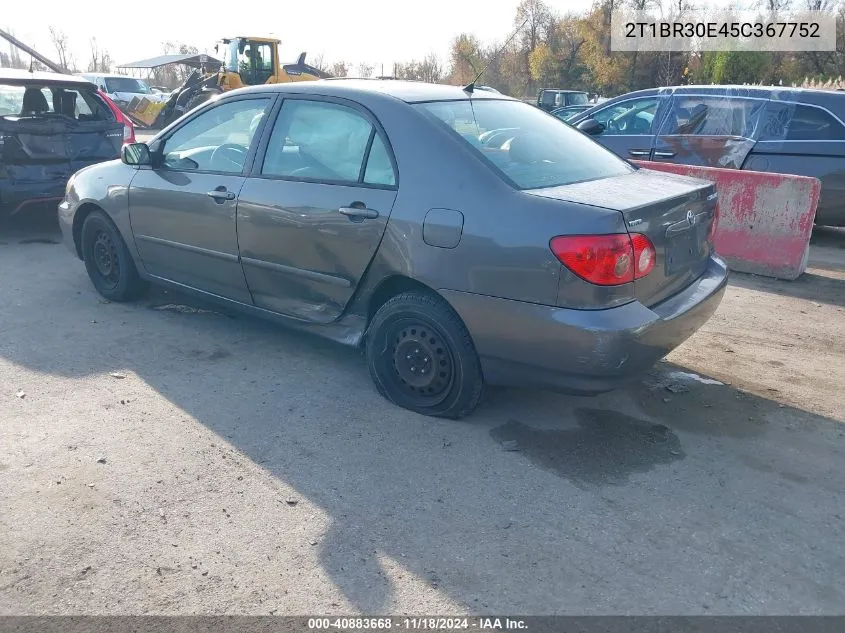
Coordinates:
42 101
548 98
327 142
792 122
712 116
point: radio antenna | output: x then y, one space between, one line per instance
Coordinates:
470 87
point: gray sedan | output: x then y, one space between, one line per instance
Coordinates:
461 237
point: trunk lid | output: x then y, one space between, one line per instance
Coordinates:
674 212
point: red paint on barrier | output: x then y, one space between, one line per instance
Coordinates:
765 219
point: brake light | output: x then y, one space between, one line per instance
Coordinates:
644 255
128 131
606 260
128 127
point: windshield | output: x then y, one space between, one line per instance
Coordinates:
230 55
530 148
126 84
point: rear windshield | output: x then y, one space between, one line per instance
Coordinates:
126 84
530 148
67 102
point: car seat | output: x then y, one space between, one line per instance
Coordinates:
34 102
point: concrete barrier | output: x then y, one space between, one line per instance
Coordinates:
765 220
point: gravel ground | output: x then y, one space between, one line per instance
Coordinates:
171 460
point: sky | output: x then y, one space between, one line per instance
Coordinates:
373 31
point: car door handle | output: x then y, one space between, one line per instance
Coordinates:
356 212
639 152
663 154
220 194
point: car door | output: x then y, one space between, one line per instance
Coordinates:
312 214
709 130
808 140
183 209
630 125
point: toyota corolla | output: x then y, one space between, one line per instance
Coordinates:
461 237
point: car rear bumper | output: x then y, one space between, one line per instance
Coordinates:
16 197
583 351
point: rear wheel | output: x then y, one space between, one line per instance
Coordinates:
421 357
108 261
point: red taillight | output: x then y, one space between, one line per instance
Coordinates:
606 260
644 255
128 131
128 127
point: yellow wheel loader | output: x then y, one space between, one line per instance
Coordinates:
247 61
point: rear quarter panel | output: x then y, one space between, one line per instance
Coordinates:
504 246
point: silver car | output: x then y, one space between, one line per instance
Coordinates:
462 238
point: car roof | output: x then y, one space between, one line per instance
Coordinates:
762 92
24 77
407 91
108 76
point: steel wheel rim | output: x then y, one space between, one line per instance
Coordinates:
421 364
105 258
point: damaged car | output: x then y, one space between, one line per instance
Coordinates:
461 238
51 126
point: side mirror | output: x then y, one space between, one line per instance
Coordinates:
136 154
591 127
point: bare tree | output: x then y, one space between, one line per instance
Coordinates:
365 70
14 56
60 43
340 69
101 61
319 62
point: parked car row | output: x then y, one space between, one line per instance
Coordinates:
780 130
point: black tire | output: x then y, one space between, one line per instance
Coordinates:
107 260
421 357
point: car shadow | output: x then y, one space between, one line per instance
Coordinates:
811 286
536 503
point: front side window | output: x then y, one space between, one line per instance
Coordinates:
323 141
58 102
218 139
576 98
712 116
530 148
635 116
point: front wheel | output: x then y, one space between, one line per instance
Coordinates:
421 357
108 261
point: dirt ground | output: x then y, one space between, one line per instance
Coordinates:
164 457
